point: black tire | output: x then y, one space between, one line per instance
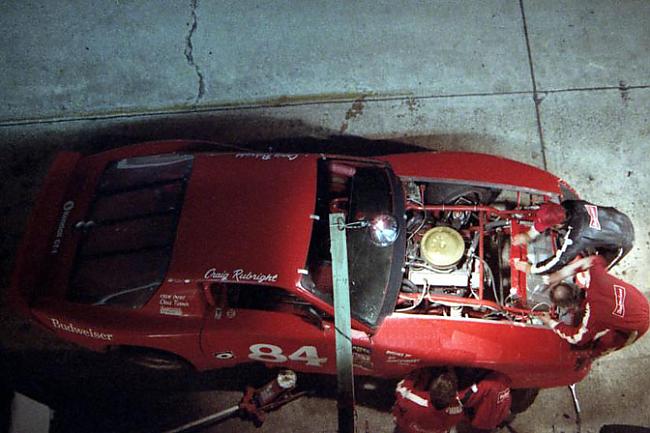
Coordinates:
522 399
448 193
152 359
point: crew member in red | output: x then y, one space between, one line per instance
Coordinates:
428 401
613 313
586 228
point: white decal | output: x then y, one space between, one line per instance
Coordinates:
224 356
172 305
239 275
231 313
86 332
266 353
169 311
271 353
67 208
267 156
400 358
501 397
218 312
592 210
619 295
402 361
213 274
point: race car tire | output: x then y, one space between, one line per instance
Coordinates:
153 359
445 193
522 399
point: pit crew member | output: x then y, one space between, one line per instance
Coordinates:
613 313
429 401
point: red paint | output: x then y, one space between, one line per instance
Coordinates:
252 213
473 167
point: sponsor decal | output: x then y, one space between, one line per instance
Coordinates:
619 295
239 275
169 311
400 358
503 395
268 156
592 210
67 208
172 305
362 357
86 332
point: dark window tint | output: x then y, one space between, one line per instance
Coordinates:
136 172
156 199
129 232
124 279
129 235
253 297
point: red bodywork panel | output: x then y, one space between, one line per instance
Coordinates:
247 219
477 168
239 204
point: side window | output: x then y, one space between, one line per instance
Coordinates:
258 297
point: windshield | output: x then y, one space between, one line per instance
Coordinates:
361 192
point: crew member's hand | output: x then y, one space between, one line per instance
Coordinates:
521 239
522 265
545 318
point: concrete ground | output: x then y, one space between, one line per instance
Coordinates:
562 85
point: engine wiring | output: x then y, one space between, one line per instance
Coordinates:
416 303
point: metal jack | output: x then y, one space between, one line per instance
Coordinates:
255 404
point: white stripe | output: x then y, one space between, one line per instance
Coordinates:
537 270
600 334
575 339
407 394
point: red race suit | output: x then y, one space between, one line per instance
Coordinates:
614 313
485 404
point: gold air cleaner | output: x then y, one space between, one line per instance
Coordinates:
442 247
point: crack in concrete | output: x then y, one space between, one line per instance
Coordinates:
189 52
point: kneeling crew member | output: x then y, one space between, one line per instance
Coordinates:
429 401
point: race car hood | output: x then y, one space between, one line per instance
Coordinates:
246 218
474 168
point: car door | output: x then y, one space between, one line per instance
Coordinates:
258 323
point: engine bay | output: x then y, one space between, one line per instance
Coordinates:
459 253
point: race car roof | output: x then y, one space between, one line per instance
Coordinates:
246 218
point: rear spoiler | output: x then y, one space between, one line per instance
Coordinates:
33 252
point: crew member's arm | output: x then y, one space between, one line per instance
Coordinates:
548 215
570 270
578 335
567 271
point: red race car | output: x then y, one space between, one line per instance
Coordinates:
173 253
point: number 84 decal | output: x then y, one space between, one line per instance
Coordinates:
270 353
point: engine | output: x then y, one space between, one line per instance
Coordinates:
459 245
441 260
